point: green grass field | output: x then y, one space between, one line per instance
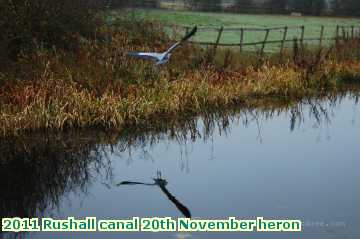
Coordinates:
312 25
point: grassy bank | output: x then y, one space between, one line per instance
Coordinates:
98 85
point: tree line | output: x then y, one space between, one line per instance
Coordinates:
306 7
314 7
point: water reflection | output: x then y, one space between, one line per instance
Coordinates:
161 183
39 171
36 172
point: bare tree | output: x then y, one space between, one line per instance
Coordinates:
311 7
205 5
245 6
277 6
346 7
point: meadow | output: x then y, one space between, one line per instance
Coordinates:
186 18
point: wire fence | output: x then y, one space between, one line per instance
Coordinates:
272 39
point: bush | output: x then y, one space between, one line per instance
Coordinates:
46 23
133 3
205 5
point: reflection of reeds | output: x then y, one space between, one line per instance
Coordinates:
43 168
98 86
37 172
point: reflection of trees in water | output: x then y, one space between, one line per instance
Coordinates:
37 171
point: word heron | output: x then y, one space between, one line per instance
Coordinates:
162 58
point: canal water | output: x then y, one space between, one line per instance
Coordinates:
283 162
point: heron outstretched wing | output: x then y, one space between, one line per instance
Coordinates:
185 38
146 55
134 183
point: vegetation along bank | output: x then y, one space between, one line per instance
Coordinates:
91 82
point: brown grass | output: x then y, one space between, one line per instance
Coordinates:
99 86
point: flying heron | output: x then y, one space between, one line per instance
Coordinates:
162 58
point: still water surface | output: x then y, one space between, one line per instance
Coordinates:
298 162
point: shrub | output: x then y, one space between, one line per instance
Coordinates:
133 3
28 23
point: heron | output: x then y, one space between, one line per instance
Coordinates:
164 57
161 183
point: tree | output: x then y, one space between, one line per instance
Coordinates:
47 23
346 7
133 3
205 5
244 5
335 5
312 7
277 6
318 7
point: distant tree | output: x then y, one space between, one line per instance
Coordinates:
318 6
148 3
346 7
244 6
133 3
276 6
312 7
356 7
335 5
205 5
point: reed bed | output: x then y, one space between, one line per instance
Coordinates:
98 86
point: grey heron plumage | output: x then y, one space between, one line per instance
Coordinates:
164 57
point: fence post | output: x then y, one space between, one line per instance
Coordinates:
218 39
283 42
337 34
264 42
302 35
241 39
321 36
352 32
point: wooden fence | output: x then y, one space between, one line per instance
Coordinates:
339 32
